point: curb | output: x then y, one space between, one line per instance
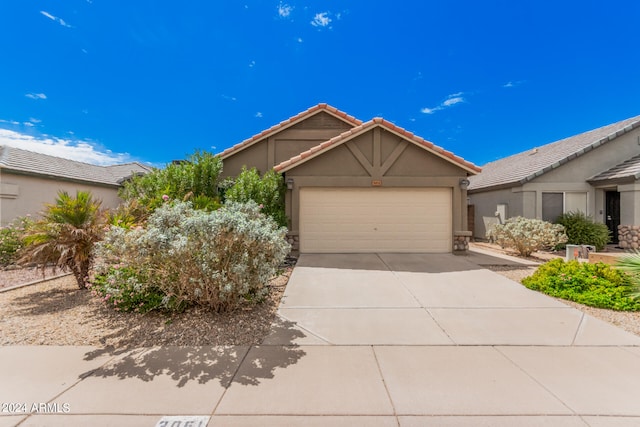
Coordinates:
34 282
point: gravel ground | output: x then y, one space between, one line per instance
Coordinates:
18 276
55 312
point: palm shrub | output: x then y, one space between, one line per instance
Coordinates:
581 230
219 259
66 235
195 178
631 265
597 285
527 235
267 191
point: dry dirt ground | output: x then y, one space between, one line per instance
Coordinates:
55 312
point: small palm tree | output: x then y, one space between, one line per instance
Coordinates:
631 264
66 234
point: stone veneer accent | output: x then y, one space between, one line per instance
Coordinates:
629 236
461 241
294 241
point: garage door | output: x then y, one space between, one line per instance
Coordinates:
375 220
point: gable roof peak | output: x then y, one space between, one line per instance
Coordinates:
290 122
387 125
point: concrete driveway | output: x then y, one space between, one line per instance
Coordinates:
430 299
363 340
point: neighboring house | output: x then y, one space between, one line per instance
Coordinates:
361 187
28 180
596 172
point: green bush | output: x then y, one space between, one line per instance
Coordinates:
11 240
596 285
197 177
527 235
220 259
268 192
581 230
126 289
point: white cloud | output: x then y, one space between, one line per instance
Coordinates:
252 64
36 95
299 40
321 19
259 114
229 98
55 19
284 10
513 84
427 110
82 151
451 100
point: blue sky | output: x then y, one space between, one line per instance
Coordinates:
108 81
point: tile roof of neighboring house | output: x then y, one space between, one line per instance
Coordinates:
523 167
290 122
626 169
345 136
32 163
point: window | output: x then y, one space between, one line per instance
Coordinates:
555 204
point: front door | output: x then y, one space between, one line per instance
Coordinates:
612 213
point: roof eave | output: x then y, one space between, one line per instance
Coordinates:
57 177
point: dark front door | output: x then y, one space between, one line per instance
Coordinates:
612 213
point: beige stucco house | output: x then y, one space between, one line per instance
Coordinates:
361 187
596 172
28 180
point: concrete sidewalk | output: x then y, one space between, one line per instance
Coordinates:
374 340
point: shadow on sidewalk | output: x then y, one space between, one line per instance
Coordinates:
201 363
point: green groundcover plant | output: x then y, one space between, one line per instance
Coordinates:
597 285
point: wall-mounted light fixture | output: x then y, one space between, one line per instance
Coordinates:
289 183
464 183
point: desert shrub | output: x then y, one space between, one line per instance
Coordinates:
267 191
218 259
597 285
196 177
581 230
11 240
527 235
66 235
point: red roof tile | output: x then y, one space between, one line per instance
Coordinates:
377 121
289 122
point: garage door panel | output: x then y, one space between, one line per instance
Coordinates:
375 220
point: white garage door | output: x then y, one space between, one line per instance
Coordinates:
375 220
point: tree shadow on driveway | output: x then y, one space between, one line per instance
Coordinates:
201 363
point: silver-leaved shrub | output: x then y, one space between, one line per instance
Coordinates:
217 259
527 235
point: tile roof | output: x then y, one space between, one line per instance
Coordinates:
523 167
626 169
290 122
31 163
376 122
